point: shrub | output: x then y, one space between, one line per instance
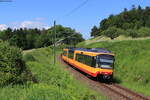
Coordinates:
132 33
113 32
144 32
11 64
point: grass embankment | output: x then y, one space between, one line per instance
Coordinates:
54 83
132 66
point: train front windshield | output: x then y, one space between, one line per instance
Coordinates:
105 61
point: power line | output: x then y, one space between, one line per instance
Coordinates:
65 37
77 8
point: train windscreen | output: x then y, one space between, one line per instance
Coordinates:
105 61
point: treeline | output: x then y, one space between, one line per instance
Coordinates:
35 38
134 23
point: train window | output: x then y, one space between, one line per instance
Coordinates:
70 54
65 53
79 58
93 62
88 60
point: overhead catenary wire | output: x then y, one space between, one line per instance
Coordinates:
76 8
65 38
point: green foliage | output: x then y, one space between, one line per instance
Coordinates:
35 38
54 83
132 62
131 21
94 31
12 67
69 36
28 57
113 32
132 32
143 32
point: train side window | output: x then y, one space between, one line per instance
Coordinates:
70 54
80 58
88 60
65 53
93 62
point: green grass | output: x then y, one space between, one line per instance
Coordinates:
54 82
132 66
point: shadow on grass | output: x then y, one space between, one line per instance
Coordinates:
116 80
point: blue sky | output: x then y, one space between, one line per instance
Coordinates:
41 13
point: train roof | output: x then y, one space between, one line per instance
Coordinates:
95 50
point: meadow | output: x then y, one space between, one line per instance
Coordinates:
132 64
53 81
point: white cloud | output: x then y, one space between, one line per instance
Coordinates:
3 27
33 24
39 19
47 27
29 24
36 23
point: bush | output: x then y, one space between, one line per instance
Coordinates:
144 32
113 32
11 64
132 33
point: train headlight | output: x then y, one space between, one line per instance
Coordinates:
106 73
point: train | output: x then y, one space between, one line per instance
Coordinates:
95 62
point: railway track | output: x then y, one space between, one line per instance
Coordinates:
124 93
112 91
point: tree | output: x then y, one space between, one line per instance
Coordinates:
125 9
7 34
103 24
94 31
2 35
65 33
133 7
112 32
139 7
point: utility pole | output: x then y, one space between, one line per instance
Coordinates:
54 42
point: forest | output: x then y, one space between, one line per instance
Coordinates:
134 23
35 38
13 41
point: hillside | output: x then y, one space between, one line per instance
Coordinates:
132 65
53 82
133 22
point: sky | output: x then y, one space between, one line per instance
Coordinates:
42 13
